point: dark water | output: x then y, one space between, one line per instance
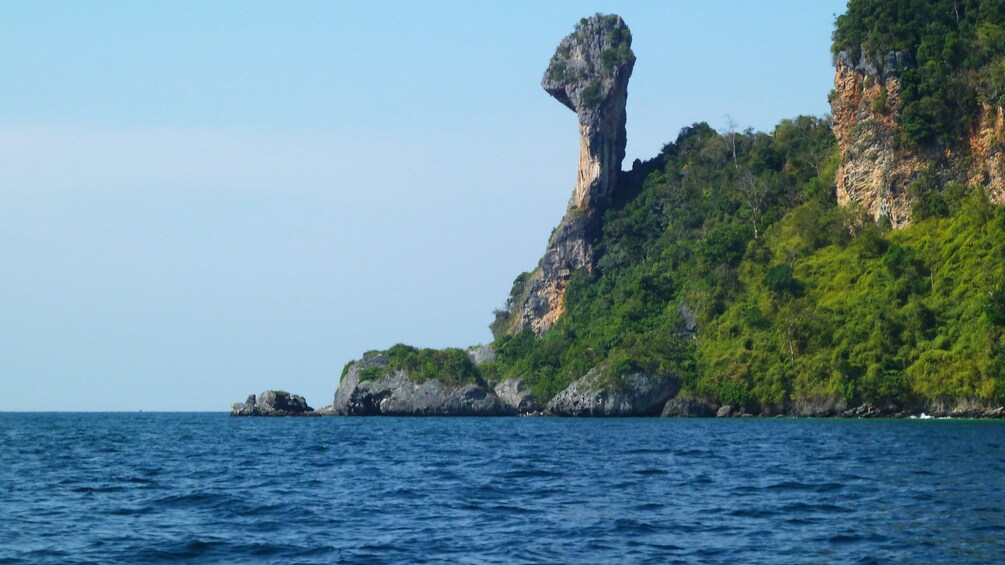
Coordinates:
162 487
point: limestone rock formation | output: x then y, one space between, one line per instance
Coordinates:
272 403
515 394
877 170
394 394
481 354
638 394
589 74
687 408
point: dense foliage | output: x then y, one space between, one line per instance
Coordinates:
725 262
676 234
796 298
955 58
451 365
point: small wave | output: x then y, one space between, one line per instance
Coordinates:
188 549
651 472
797 486
529 474
753 513
812 508
189 500
852 538
628 525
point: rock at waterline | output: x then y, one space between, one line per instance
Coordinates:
272 403
637 394
392 393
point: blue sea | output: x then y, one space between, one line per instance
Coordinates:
141 488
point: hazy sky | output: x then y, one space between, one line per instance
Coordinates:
202 200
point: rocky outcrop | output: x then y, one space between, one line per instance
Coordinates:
393 393
481 354
986 144
273 403
595 394
875 171
687 408
877 167
818 407
515 395
589 74
967 408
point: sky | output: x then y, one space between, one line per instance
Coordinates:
200 200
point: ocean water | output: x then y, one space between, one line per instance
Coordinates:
141 488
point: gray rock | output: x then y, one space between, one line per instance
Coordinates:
818 407
273 403
689 320
515 394
394 394
245 409
326 411
589 74
640 394
863 411
687 408
962 408
481 354
725 411
874 64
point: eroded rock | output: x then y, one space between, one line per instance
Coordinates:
877 168
589 74
516 395
272 403
687 408
393 393
638 394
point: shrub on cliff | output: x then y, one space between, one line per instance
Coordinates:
955 53
824 303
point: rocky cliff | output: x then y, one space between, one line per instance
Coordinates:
636 394
371 387
883 171
589 74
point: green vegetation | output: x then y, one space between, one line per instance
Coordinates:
449 366
955 58
795 298
893 317
822 303
592 94
678 230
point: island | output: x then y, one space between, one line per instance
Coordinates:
851 265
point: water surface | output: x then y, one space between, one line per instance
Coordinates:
207 487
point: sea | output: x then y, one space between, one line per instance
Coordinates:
208 488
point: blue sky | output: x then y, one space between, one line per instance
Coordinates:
201 200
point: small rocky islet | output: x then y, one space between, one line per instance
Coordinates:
589 74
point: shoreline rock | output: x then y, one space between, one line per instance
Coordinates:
395 394
637 394
515 394
687 408
272 403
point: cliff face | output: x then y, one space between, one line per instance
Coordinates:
987 147
589 74
877 169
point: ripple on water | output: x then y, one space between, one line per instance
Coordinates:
205 487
